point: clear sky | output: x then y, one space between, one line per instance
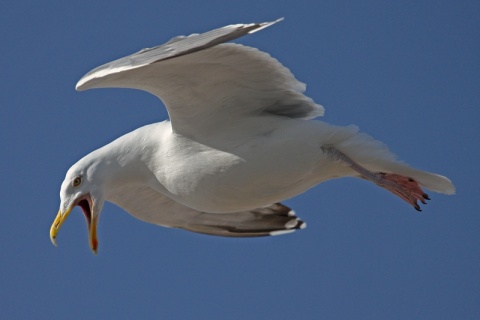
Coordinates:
406 72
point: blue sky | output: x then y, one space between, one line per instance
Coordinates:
406 72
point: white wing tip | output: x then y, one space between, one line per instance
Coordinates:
291 226
281 232
265 25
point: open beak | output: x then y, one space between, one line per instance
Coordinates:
86 204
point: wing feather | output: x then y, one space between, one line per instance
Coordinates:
150 206
203 82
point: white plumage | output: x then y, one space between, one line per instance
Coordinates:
238 142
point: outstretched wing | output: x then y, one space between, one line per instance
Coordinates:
150 206
203 82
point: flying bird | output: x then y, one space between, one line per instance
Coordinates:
239 140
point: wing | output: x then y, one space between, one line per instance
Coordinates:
204 82
150 206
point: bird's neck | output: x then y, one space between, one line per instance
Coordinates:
125 161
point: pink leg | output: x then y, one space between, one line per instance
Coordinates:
402 186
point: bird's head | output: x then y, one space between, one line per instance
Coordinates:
83 187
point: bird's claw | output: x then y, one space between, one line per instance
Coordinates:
405 187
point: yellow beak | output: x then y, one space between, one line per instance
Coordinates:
91 224
57 223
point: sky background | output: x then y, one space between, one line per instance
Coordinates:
406 72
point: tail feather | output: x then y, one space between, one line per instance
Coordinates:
375 156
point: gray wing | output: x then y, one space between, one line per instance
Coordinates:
204 82
176 47
150 206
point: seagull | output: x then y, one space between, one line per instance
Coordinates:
239 140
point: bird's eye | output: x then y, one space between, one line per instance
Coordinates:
76 182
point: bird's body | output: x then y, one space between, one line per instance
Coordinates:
241 170
239 141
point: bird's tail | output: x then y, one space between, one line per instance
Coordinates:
375 156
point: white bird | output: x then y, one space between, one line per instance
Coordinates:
240 139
